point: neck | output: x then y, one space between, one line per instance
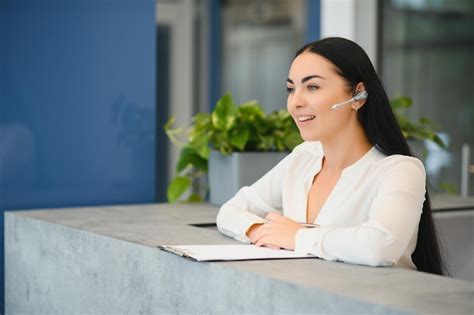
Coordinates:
346 148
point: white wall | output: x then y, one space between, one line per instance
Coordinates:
353 19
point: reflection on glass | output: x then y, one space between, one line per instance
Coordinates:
259 40
427 55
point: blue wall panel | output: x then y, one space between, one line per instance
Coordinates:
313 20
77 103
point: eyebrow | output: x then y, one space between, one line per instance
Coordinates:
306 78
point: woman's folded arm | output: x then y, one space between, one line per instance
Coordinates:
251 203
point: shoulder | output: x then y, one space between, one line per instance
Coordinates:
401 163
401 172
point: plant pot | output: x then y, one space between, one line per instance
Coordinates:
227 174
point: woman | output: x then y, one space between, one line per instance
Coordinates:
354 177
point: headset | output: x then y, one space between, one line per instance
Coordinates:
362 95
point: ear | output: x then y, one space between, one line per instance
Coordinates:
359 88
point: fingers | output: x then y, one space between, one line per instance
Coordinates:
273 233
253 230
262 231
273 246
262 241
266 241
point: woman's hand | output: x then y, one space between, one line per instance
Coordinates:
279 232
252 231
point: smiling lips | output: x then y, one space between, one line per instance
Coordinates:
306 118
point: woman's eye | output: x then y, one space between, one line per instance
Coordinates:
313 87
289 89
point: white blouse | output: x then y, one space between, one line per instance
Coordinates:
370 217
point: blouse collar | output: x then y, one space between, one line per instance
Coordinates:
371 156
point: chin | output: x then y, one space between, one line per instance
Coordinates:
309 137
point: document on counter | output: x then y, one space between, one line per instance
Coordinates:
230 252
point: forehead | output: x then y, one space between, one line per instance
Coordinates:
309 63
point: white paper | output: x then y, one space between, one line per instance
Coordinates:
231 252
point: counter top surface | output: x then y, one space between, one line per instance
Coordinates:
447 202
159 224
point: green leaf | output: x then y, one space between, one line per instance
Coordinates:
177 187
194 198
200 143
224 115
423 129
279 145
425 121
292 139
251 112
169 124
189 156
266 143
201 118
239 138
225 149
450 188
401 102
252 104
436 139
172 133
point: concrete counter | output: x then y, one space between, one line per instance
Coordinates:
104 260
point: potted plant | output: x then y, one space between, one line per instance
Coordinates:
226 139
237 144
415 132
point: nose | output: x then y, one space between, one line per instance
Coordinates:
296 100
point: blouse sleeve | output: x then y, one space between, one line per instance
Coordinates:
251 203
393 219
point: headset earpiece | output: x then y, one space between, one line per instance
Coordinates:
362 95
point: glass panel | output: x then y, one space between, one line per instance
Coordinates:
427 55
259 40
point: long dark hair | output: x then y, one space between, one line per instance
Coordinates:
382 130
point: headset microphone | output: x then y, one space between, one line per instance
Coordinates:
362 95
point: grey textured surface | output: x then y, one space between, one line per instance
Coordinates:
448 202
104 260
456 234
